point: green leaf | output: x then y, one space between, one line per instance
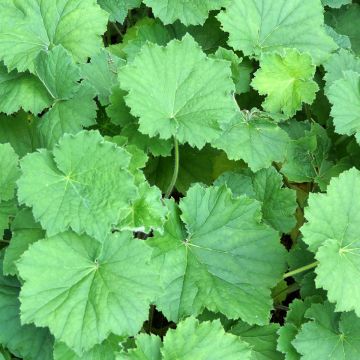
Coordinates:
25 231
346 91
332 234
153 145
262 339
213 260
117 110
67 117
105 351
22 91
84 184
145 30
101 72
147 212
240 69
118 9
195 166
147 348
30 27
338 63
259 26
295 318
343 21
9 170
191 340
179 84
329 335
336 3
188 12
24 341
287 80
256 140
8 210
57 71
278 205
89 289
208 340
21 132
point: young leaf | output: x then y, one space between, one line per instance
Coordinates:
214 263
259 26
29 27
84 184
89 289
187 94
287 80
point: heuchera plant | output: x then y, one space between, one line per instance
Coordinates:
179 179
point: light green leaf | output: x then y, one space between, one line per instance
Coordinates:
84 184
190 340
57 71
89 289
262 340
147 348
9 172
215 262
346 91
147 212
187 94
30 27
287 80
342 41
330 335
118 9
24 341
256 140
188 12
22 91
25 231
259 26
333 235
206 340
69 116
101 72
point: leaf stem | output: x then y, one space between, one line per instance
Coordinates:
300 269
176 169
5 241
